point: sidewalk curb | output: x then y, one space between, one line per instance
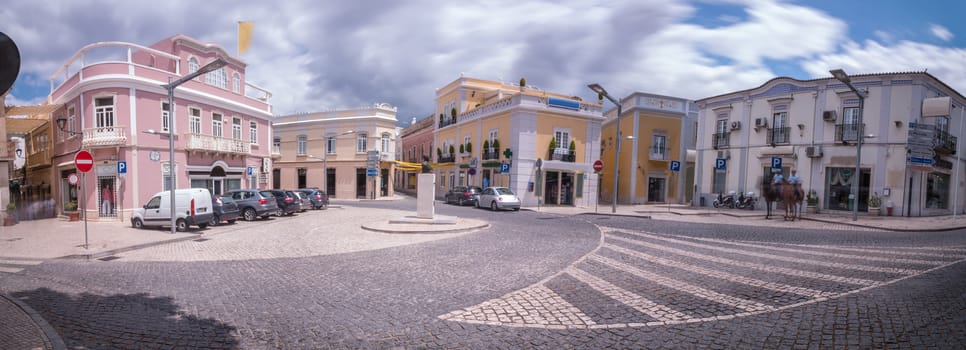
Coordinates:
99 255
52 339
453 230
942 229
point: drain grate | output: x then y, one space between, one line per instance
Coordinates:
201 240
109 258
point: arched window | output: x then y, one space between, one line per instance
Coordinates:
236 83
217 78
193 65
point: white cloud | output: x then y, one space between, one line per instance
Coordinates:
941 32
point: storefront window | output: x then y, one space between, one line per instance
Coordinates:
839 182
937 191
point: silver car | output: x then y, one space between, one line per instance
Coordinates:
498 198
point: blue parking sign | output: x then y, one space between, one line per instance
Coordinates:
776 162
675 165
720 164
122 167
505 168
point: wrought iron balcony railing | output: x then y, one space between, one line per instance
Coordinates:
945 143
447 158
778 136
563 155
720 140
846 133
491 154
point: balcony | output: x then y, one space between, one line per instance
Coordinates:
720 140
945 143
208 143
563 155
108 136
276 151
491 154
39 159
659 152
447 158
846 133
447 121
778 136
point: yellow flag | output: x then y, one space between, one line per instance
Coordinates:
244 35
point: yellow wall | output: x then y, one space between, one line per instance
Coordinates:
647 125
546 123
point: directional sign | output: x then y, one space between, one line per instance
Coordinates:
675 165
776 162
598 166
720 164
922 161
122 167
84 161
505 168
372 172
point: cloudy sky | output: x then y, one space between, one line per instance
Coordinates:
324 54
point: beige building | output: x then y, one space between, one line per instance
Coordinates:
492 134
331 150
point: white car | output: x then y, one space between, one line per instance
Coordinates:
497 198
192 206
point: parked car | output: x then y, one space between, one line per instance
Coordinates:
254 203
463 194
287 202
304 202
498 198
318 198
192 206
225 209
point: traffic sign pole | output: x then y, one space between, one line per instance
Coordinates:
84 207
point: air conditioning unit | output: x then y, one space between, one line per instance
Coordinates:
726 154
828 116
735 125
761 123
813 151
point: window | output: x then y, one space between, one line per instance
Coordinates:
217 129
779 132
277 142
253 132
942 124
361 141
937 191
385 142
302 140
562 139
194 121
71 121
166 175
236 132
236 83
850 124
466 141
193 65
165 117
718 184
104 113
330 144
217 78
659 147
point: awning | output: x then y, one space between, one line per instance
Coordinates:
22 126
21 120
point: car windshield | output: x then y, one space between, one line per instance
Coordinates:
267 194
503 190
227 199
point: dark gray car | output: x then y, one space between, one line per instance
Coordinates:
254 203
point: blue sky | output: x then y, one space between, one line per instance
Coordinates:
316 55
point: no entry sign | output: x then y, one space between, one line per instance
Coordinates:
84 161
598 166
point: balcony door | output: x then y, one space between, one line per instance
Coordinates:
104 114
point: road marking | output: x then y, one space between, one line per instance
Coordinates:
637 302
20 262
685 287
778 287
813 252
779 257
9 269
884 250
750 265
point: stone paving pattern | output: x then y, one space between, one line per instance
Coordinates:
577 282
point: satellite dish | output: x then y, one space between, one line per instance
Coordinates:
9 63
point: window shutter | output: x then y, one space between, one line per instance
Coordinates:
580 185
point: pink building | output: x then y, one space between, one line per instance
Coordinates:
112 103
417 141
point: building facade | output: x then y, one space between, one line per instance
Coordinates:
112 103
491 134
662 130
330 150
910 126
416 143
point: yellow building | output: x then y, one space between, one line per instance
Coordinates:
330 150
492 134
658 130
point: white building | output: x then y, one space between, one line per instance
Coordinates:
909 121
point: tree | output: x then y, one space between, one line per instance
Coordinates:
496 147
553 143
486 145
573 146
452 112
452 149
462 148
469 147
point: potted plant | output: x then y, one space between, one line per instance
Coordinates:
553 145
452 112
70 208
573 147
486 146
496 148
469 147
439 154
8 220
523 83
874 204
811 200
441 120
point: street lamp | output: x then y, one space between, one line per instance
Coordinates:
170 86
844 78
617 152
325 162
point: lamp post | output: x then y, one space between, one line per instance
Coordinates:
170 86
844 78
617 151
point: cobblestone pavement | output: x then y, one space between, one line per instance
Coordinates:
531 280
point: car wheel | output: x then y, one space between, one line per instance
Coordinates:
249 214
203 225
279 212
214 220
181 225
137 223
493 205
232 221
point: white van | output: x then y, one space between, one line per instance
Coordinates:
192 205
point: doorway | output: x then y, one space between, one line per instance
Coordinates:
106 195
330 182
566 188
655 189
302 174
550 187
384 182
361 183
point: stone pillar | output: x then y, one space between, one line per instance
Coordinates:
426 196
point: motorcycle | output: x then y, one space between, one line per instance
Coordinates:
747 201
725 201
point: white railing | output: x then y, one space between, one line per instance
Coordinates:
197 142
105 136
80 60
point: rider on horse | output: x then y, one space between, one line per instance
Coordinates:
797 182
